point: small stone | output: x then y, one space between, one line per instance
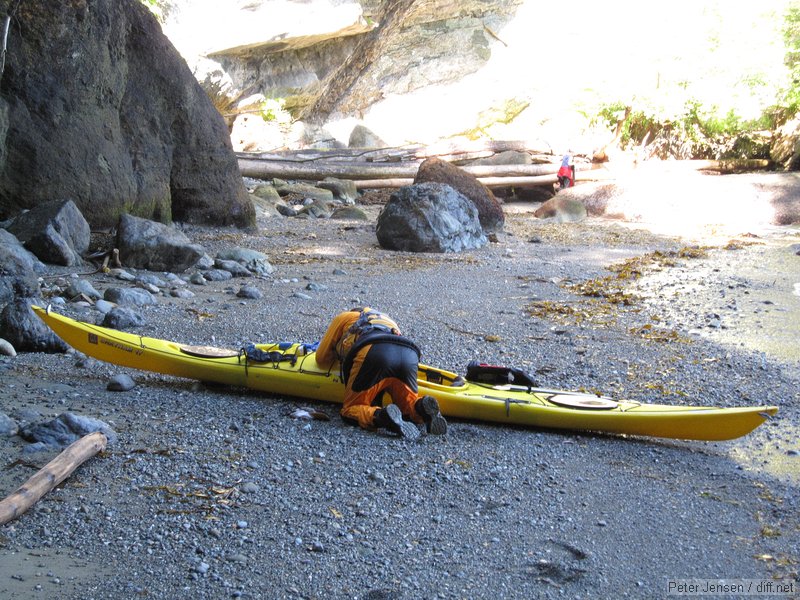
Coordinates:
198 279
202 568
124 275
250 292
301 295
8 426
182 293
104 306
121 383
248 487
377 476
6 349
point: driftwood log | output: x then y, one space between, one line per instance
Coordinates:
397 167
49 476
492 182
315 171
449 151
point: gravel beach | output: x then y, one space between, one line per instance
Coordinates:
221 493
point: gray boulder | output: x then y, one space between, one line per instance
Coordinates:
304 189
154 246
18 269
490 212
233 267
81 287
429 217
122 318
8 426
252 260
25 331
65 429
129 296
363 137
343 190
352 213
55 232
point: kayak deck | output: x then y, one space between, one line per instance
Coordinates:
293 373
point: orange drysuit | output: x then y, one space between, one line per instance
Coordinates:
375 359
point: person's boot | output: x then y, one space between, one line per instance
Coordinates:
428 408
392 419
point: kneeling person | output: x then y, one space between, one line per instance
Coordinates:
376 359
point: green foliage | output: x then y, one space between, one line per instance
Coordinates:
692 131
273 110
791 38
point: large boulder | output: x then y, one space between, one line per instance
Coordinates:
429 217
18 269
25 331
562 209
490 212
55 232
102 109
145 244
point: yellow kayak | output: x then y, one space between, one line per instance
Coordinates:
291 372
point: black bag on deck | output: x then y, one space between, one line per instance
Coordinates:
496 375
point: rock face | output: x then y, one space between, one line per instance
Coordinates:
490 212
429 217
356 53
102 109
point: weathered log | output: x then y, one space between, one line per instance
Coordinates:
305 155
455 149
49 476
449 151
492 182
269 169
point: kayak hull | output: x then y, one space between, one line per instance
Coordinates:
301 376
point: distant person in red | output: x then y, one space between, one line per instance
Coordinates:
375 358
566 174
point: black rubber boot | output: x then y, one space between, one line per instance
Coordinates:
428 408
392 419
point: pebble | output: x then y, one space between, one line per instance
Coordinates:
104 306
121 383
6 349
249 291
